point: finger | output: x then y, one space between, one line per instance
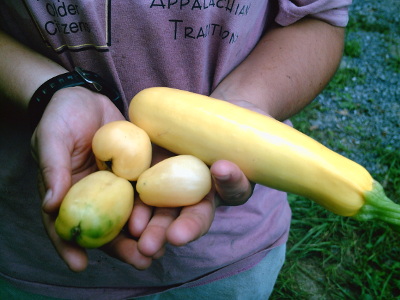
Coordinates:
74 256
160 253
153 239
193 222
125 249
231 184
140 217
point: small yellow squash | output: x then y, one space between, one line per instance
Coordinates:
176 181
123 148
95 209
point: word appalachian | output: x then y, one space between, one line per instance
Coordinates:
231 6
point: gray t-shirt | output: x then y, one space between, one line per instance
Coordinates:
186 44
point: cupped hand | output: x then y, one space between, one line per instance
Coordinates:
154 227
61 145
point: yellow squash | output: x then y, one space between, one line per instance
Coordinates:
95 209
269 152
122 148
180 180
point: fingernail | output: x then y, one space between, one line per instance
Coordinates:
47 198
222 177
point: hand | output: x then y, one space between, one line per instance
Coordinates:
155 227
61 145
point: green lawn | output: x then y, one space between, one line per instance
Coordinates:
332 257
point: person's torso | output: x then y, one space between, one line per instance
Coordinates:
186 44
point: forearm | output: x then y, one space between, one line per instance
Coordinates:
287 69
22 70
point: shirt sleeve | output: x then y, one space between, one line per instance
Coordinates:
334 12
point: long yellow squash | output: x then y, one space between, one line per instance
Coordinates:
269 152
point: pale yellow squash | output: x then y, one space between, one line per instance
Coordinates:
180 180
123 148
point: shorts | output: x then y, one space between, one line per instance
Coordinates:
256 283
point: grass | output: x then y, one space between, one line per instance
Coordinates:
333 257
352 48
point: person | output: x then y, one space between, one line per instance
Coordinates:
269 56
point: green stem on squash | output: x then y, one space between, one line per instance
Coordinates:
75 232
379 207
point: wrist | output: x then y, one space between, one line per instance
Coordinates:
39 78
240 102
76 78
243 97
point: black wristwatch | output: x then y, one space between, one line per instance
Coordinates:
78 77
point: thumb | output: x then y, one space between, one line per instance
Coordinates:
54 164
231 184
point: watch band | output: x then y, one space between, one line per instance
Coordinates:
78 77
